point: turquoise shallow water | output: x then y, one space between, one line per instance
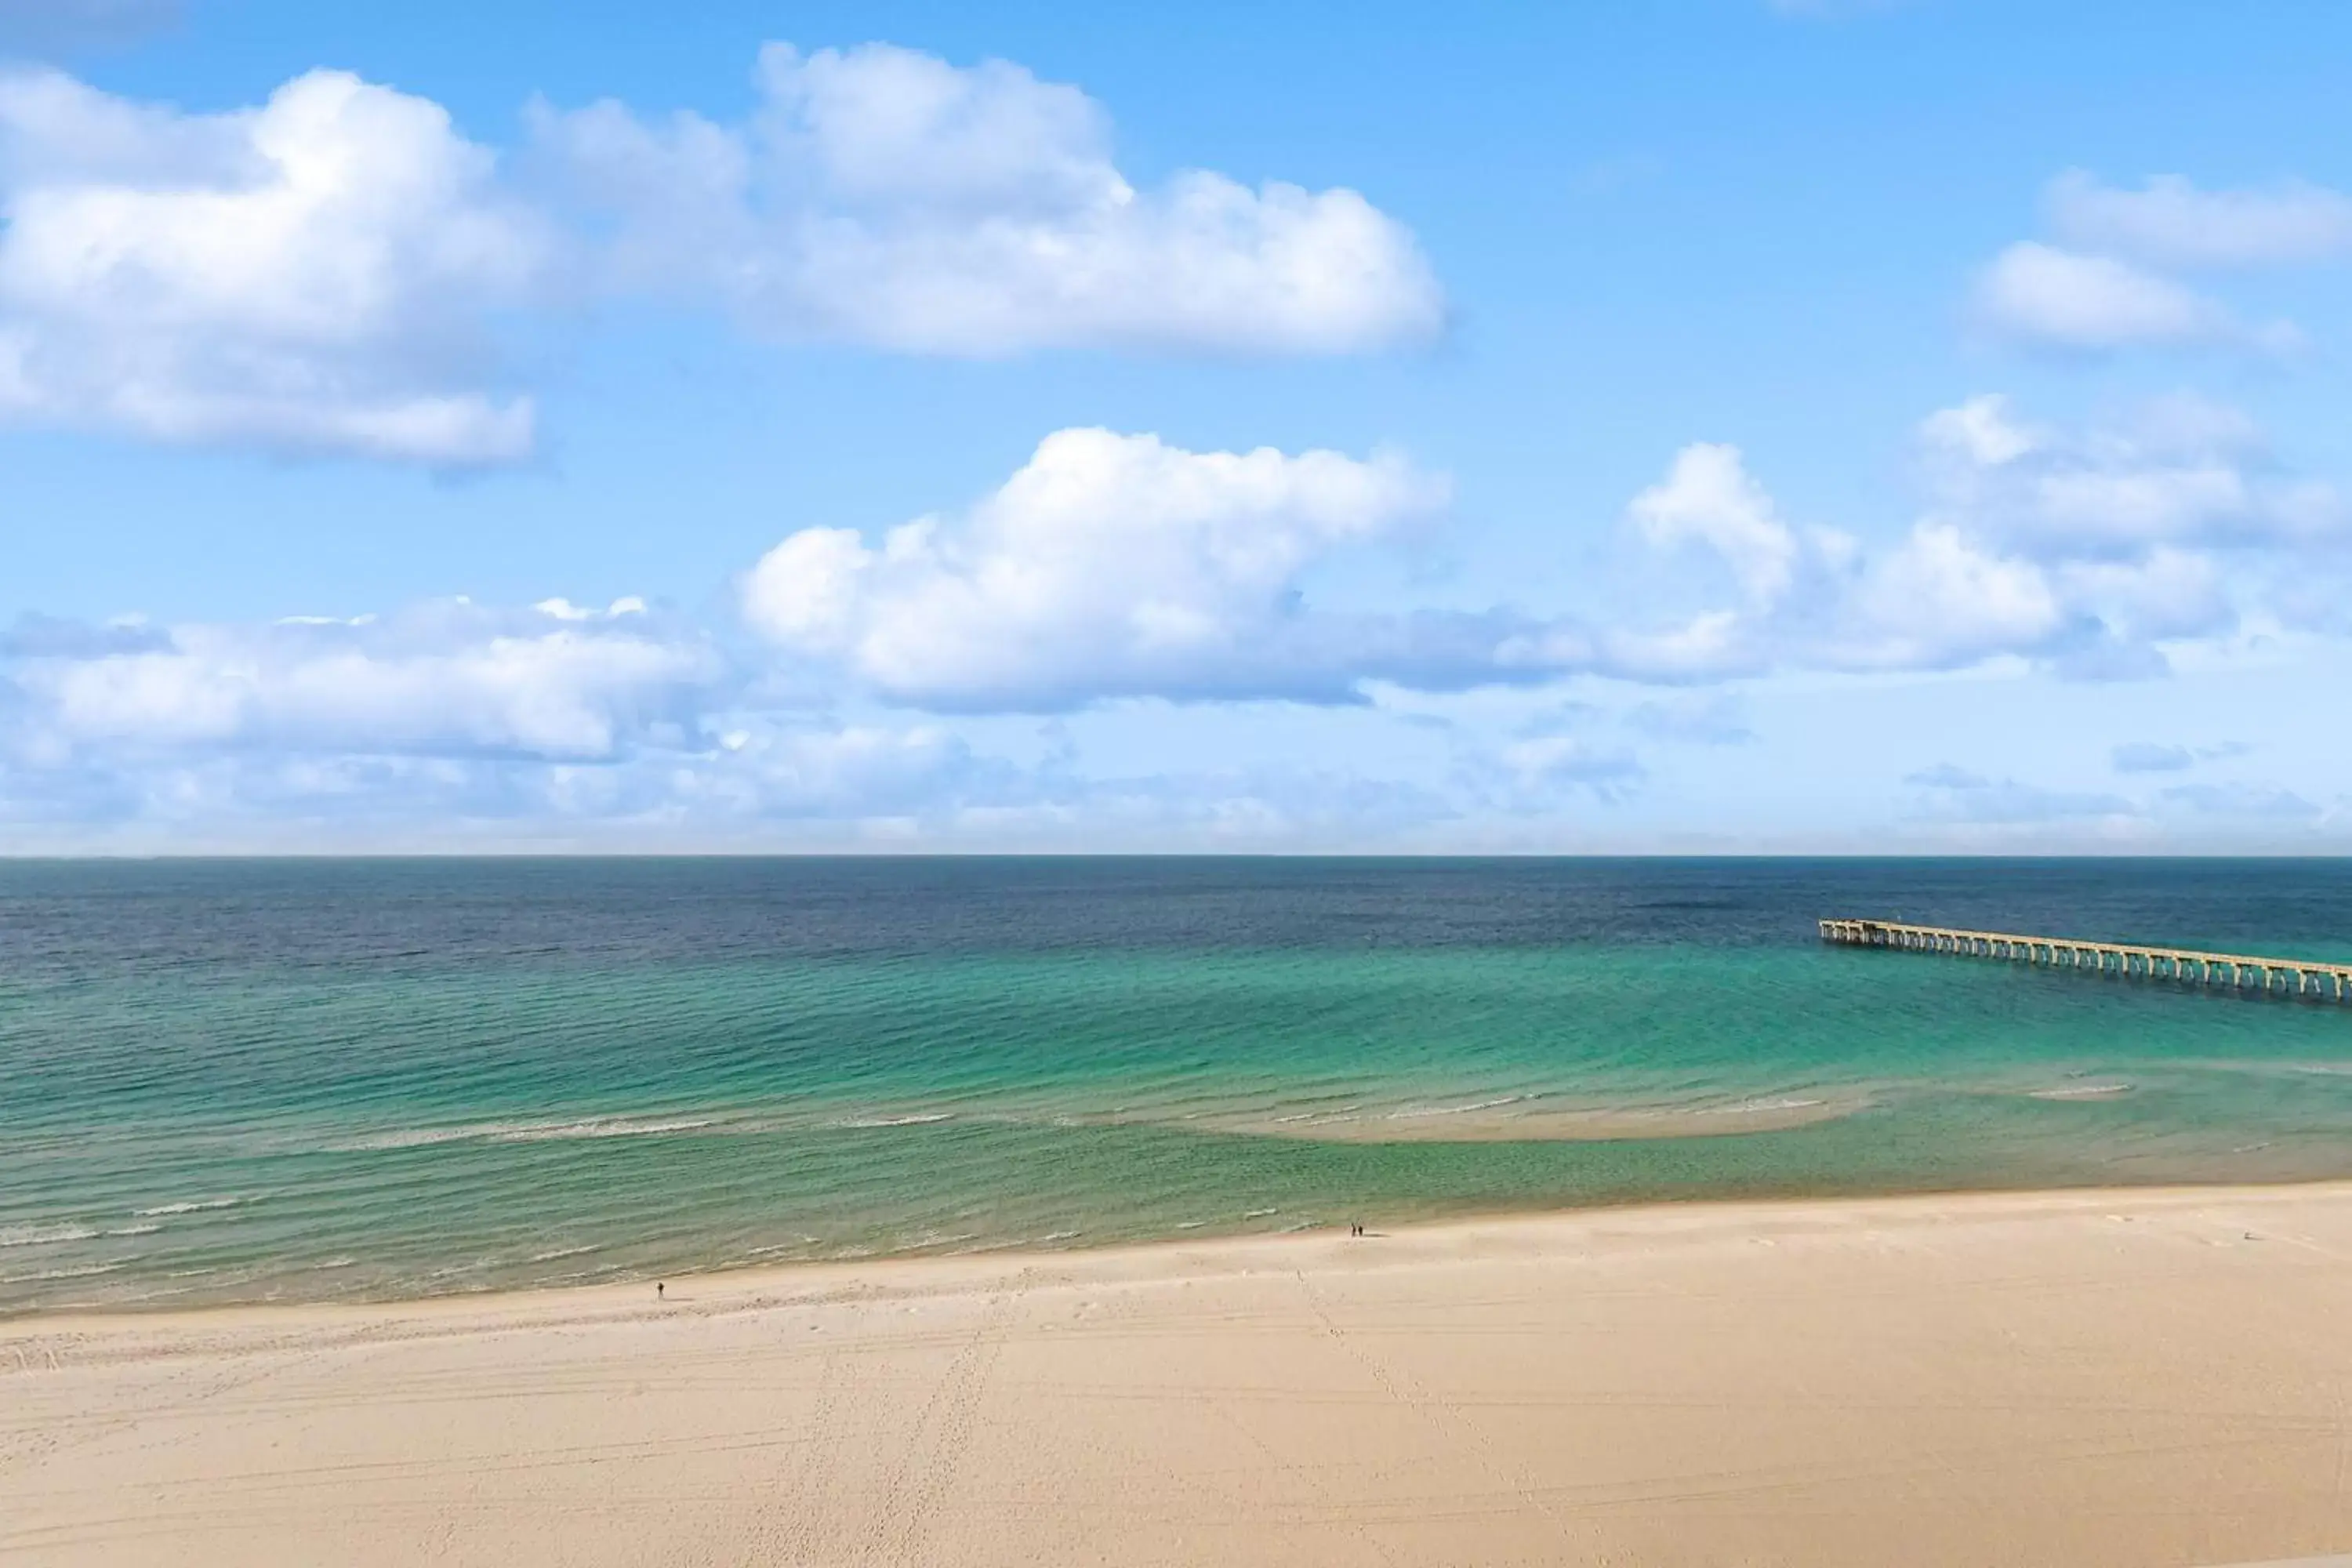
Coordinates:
246 1080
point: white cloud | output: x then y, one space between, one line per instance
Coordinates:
1940 599
2106 285
883 196
2037 293
1708 498
2082 549
2168 222
829 782
2163 595
1539 767
309 275
1117 565
324 272
1955 794
1979 430
2182 472
769 770
447 739
1114 566
449 679
1937 598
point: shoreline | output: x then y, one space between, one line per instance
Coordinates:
754 1286
2101 1377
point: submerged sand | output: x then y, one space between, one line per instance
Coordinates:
2135 1378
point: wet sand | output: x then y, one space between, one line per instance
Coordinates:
2143 1378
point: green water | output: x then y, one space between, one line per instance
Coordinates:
243 1081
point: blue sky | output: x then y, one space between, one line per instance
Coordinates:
1725 425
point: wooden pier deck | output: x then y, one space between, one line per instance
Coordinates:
2236 972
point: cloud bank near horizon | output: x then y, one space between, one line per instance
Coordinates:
1116 572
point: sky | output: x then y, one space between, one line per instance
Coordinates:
1696 426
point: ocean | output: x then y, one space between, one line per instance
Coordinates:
244 1081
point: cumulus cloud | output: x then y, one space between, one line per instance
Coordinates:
1937 598
438 723
1708 498
1941 599
1115 565
451 679
463 726
2038 293
325 272
2081 549
2170 221
884 196
2181 472
769 770
2106 284
311 275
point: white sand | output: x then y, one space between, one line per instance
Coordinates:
2075 1379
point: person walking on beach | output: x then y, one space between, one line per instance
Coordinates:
659 1288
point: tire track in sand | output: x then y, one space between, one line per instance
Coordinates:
940 1434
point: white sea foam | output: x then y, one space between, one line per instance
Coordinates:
1060 1235
601 1127
923 1119
136 1230
563 1252
43 1234
412 1138
189 1207
521 1133
2082 1091
82 1272
1260 1213
1453 1109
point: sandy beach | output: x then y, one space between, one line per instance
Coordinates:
2147 1377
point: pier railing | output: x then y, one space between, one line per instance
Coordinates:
2223 971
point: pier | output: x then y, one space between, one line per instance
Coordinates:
2234 971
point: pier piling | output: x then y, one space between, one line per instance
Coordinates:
2218 970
